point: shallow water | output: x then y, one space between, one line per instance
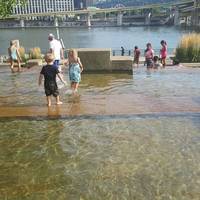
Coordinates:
169 86
101 158
126 136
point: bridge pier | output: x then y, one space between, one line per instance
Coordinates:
22 24
148 19
195 14
89 20
176 17
56 24
119 19
105 18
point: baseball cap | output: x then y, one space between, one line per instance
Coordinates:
51 35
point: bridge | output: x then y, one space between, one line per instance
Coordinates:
179 9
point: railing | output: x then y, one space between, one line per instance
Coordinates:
128 52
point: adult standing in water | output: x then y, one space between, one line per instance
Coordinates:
56 49
14 55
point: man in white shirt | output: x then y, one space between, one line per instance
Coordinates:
56 48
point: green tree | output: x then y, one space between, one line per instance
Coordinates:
6 6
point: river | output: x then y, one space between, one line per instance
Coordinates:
103 37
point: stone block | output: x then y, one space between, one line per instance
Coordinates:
95 59
34 62
121 63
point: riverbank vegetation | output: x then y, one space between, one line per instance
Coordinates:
35 53
188 49
22 53
6 6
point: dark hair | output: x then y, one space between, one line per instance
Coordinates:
148 44
136 47
163 42
155 58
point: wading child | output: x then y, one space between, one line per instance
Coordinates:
156 63
163 52
75 69
149 54
14 56
136 56
49 73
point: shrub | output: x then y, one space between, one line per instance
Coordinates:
188 49
35 53
22 54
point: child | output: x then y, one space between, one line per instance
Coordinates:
163 52
149 54
156 63
49 72
14 56
122 51
75 69
136 55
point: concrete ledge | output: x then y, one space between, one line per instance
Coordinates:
191 65
4 64
121 63
34 62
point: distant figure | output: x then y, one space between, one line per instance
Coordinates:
163 52
149 54
56 49
136 55
75 69
156 63
49 73
122 51
14 55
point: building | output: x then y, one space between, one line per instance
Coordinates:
41 6
90 3
79 4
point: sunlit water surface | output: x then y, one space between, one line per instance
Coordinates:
100 158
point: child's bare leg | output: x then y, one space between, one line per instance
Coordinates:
12 65
19 65
72 85
58 102
164 62
48 100
76 87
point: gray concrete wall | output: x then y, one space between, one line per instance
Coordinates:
95 59
121 63
101 60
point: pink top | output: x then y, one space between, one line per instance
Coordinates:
163 51
137 53
149 54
